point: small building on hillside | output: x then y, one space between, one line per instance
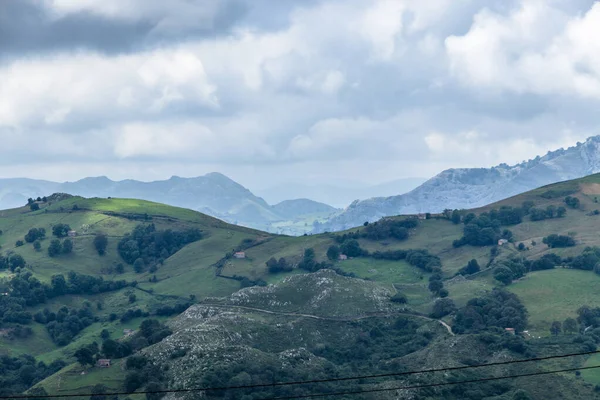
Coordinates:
72 233
502 242
128 332
343 257
103 363
422 216
239 254
510 330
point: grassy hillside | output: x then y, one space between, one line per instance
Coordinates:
205 272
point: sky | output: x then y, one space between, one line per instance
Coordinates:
292 91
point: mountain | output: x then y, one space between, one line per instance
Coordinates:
411 295
214 194
340 194
463 188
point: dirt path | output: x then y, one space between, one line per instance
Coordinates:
355 318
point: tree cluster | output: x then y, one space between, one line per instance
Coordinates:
308 262
64 325
56 247
147 246
484 230
274 266
35 234
61 230
500 309
17 374
555 241
389 228
572 202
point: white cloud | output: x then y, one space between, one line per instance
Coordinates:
53 89
536 48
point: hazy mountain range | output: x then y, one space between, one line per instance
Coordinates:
213 194
219 196
474 187
340 194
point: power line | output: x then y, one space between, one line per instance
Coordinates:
496 378
276 384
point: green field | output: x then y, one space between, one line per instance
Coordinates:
555 295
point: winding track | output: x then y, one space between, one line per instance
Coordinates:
355 318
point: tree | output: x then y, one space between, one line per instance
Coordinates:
138 265
61 230
98 392
504 275
105 334
555 328
67 246
333 252
100 243
132 298
133 381
435 286
19 243
521 246
561 212
120 268
443 292
16 261
443 307
34 206
153 387
37 245
84 356
472 267
55 248
569 325
455 217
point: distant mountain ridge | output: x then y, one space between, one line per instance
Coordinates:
214 194
338 194
475 187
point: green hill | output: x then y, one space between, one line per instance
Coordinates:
396 258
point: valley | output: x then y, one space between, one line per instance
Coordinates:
235 306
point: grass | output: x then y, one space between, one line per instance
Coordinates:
555 295
592 375
71 380
382 270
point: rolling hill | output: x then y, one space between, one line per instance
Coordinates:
213 194
260 319
475 187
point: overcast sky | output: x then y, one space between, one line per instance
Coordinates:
270 91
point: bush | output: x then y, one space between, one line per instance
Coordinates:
399 298
555 241
19 243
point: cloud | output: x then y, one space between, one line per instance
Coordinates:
536 48
321 89
87 86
